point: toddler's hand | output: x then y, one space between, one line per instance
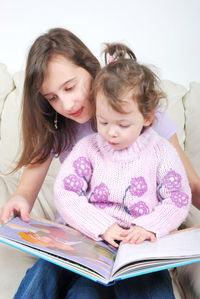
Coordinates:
113 233
16 206
137 234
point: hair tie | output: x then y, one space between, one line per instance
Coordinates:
111 59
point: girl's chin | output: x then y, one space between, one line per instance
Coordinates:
83 119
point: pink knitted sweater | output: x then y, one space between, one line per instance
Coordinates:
145 185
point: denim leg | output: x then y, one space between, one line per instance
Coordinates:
45 281
87 289
156 285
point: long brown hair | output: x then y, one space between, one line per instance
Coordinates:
39 134
123 74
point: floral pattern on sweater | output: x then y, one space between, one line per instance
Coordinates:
145 185
171 183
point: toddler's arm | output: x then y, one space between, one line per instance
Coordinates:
193 177
70 197
173 193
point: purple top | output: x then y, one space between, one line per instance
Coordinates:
162 124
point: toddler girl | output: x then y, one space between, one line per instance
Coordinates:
124 183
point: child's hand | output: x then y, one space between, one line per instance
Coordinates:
137 234
16 206
113 233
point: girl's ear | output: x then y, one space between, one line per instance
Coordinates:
148 121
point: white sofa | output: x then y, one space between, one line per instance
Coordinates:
183 107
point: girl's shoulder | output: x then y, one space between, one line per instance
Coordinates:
85 147
161 146
88 141
163 124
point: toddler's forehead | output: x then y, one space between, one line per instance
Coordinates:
124 104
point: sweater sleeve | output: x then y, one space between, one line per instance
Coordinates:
173 194
70 188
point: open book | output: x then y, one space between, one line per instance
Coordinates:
98 261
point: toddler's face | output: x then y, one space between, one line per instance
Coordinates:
120 130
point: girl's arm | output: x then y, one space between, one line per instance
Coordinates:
21 202
193 177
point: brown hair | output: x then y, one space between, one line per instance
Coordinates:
125 75
38 132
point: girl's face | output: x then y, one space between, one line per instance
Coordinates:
67 87
120 130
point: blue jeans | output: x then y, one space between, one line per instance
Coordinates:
157 285
48 281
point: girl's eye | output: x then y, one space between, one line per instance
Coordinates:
103 123
124 126
52 99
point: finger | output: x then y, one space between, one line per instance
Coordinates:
113 243
127 239
7 214
1 211
124 233
134 239
25 215
152 238
140 239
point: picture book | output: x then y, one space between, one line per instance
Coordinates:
98 261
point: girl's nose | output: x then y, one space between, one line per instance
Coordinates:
68 104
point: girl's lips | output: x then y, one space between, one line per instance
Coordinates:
77 113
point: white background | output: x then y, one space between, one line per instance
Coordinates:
165 33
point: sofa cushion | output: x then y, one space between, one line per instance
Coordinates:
11 126
192 126
174 106
6 86
13 264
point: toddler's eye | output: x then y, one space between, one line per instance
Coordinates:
69 88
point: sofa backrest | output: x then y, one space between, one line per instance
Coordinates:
11 88
191 101
174 106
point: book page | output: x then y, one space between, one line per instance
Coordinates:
184 243
60 241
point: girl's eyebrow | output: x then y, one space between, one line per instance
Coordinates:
63 84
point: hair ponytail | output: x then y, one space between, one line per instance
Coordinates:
117 51
123 76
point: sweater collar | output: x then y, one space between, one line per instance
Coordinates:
133 152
